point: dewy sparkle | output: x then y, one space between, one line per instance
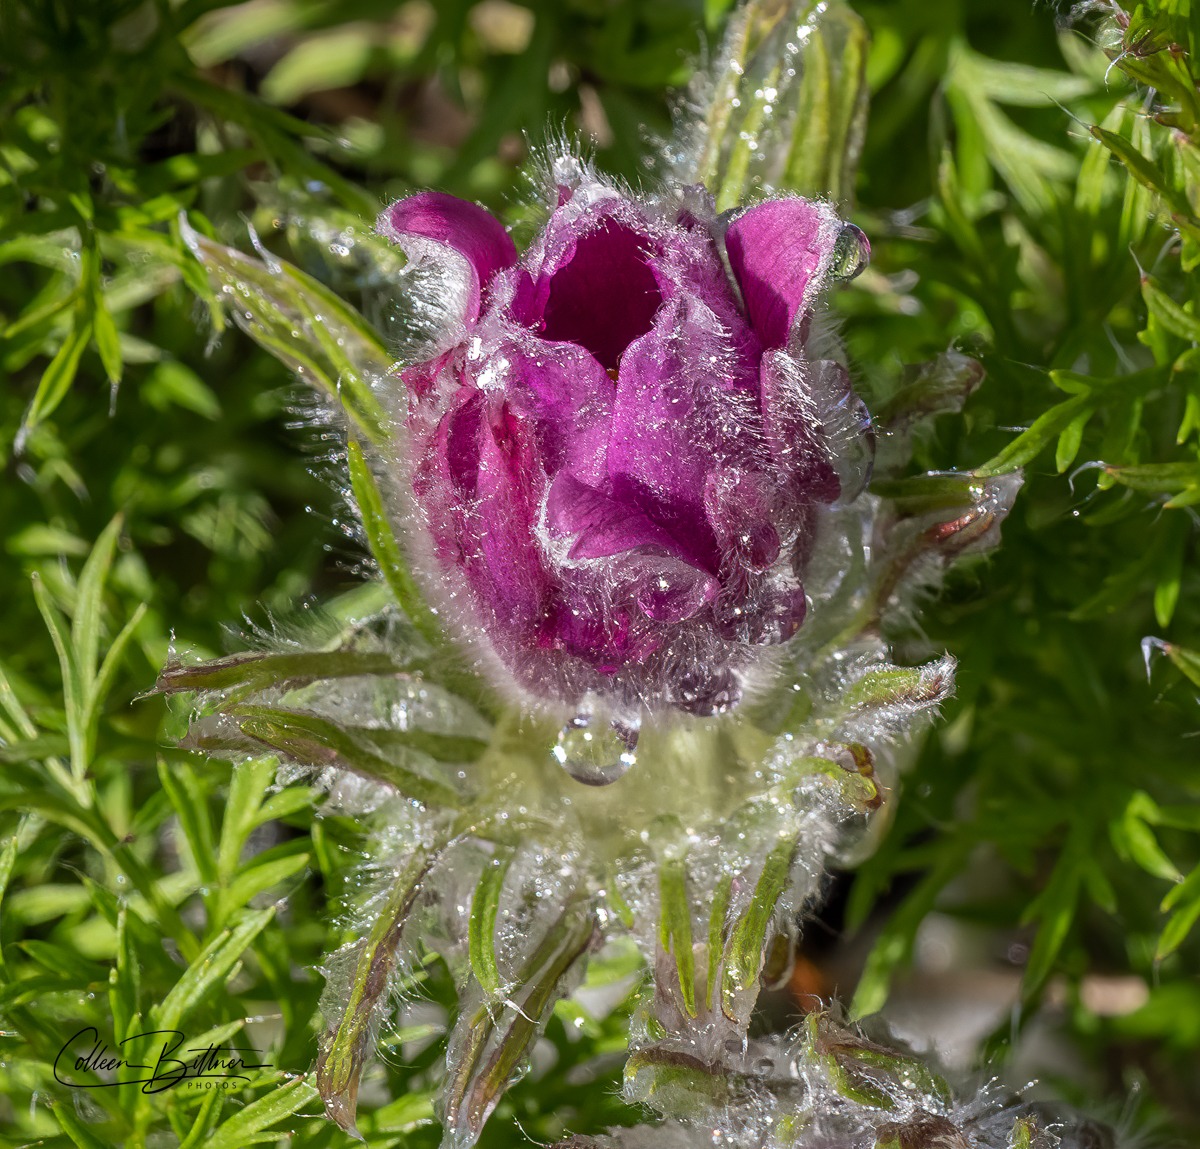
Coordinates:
621 442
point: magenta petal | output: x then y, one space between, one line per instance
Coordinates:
663 444
468 230
769 616
611 264
739 507
778 252
460 439
516 581
570 397
668 590
794 432
602 526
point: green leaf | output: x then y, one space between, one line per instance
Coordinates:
171 383
481 928
190 802
74 691
1054 908
1029 444
56 380
263 873
386 549
124 978
64 962
316 741
89 603
347 1042
1135 841
282 1101
1184 900
304 325
1169 313
748 936
108 342
894 945
675 927
1069 441
211 967
78 1132
246 790
263 671
716 934
831 108
485 1066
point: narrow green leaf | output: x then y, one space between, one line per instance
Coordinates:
11 706
246 790
190 803
1054 908
1187 661
112 659
124 978
482 926
201 1123
260 671
1135 841
316 741
716 935
78 1132
1069 440
1144 170
1029 444
241 1129
56 380
64 962
211 967
263 874
894 945
1184 900
346 1044
1157 477
74 690
304 325
748 939
475 1089
443 747
675 927
1169 313
386 549
108 340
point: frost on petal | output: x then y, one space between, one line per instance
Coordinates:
599 525
510 570
779 252
569 396
667 429
794 432
432 225
614 472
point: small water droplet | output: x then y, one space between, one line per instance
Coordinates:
594 752
851 253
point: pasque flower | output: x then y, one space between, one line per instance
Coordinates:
620 445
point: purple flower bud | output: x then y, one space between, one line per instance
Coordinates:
619 449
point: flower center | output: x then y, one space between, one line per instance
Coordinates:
606 296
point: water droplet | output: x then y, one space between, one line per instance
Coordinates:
596 753
851 253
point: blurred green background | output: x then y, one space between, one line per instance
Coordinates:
1029 909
